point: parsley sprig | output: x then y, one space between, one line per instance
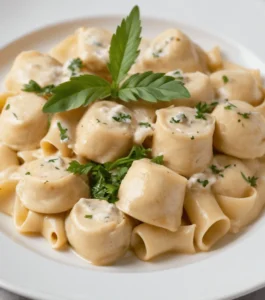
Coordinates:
124 49
250 180
34 87
105 179
203 108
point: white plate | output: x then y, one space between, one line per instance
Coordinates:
237 265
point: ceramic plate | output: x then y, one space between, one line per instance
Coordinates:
236 265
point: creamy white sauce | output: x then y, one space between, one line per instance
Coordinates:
193 180
100 211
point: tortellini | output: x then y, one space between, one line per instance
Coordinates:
61 135
184 140
47 186
23 122
240 130
172 50
153 194
33 65
93 48
237 85
110 121
199 86
98 231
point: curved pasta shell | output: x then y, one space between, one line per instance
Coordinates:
150 241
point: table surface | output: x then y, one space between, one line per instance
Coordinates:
259 295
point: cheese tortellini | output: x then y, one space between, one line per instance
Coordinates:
113 123
237 85
23 122
114 176
158 198
98 231
240 130
47 186
183 140
33 65
172 50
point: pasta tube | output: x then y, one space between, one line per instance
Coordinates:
150 241
203 210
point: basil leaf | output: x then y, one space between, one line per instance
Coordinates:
79 91
152 87
124 46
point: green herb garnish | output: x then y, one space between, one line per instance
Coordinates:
250 180
230 106
34 87
148 86
52 160
121 117
27 173
158 159
217 171
8 106
145 124
203 108
204 183
192 138
88 216
244 115
105 179
225 79
75 66
63 132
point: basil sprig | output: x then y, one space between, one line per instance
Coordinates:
124 49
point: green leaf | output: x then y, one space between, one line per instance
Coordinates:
124 46
77 168
79 91
34 87
158 159
152 87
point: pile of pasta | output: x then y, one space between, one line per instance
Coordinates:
212 179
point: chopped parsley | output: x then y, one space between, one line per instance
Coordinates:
204 183
63 132
157 53
52 160
244 115
192 138
179 118
178 75
216 171
88 216
8 106
225 79
121 117
202 108
34 87
105 179
28 173
75 66
250 180
230 106
15 115
158 159
145 124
